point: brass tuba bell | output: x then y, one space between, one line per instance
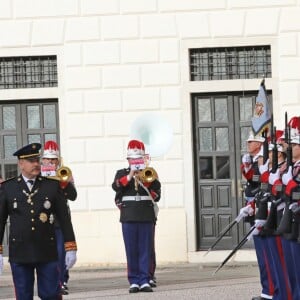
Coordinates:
148 175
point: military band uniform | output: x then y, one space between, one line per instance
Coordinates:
69 193
138 219
32 242
135 201
51 159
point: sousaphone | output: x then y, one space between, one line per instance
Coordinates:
154 131
156 134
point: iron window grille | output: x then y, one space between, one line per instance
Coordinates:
230 63
28 72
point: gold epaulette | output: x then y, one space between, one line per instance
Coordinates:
70 246
1 249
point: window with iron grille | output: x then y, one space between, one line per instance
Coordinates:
28 72
230 63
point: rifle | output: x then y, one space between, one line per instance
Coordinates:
221 234
259 195
287 136
271 222
274 151
285 225
246 238
265 147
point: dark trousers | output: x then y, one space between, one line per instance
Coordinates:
264 266
295 251
138 240
282 288
153 257
290 264
64 274
47 280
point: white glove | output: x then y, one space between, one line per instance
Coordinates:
258 226
264 168
259 223
1 264
247 210
70 259
244 212
288 176
293 206
246 160
274 176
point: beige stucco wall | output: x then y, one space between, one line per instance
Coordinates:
120 58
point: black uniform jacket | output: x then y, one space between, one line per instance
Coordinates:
70 193
31 219
135 211
253 183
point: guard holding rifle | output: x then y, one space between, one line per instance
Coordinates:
277 165
137 189
31 202
289 225
51 167
251 163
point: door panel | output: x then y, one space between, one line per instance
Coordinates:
221 125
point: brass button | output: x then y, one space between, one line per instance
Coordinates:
32 220
32 211
32 228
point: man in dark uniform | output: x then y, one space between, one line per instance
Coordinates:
250 170
135 197
31 201
291 182
272 174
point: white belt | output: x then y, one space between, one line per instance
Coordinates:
135 198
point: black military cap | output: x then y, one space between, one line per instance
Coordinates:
29 151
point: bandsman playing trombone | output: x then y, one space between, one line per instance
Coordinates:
51 167
137 190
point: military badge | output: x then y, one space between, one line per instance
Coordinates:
47 204
43 217
30 195
51 219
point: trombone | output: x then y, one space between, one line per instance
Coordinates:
63 173
148 175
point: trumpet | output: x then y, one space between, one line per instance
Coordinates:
148 175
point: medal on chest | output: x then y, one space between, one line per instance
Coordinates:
30 195
15 204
